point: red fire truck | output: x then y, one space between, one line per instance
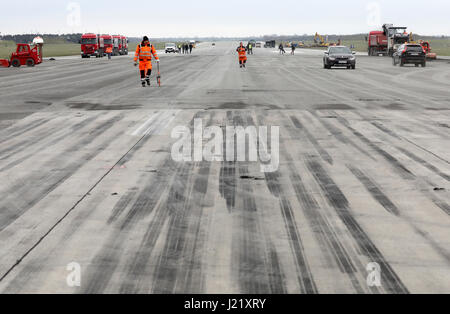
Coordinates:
124 50
92 45
108 41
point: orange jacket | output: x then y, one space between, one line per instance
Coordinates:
109 50
241 51
145 53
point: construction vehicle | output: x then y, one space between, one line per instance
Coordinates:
319 41
427 48
25 54
92 45
378 43
388 40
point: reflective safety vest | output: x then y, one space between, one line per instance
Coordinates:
241 51
145 53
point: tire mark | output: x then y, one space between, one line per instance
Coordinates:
305 277
322 152
107 259
341 137
19 130
227 179
424 163
374 190
179 269
339 202
397 165
53 142
40 185
251 273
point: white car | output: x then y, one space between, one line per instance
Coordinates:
171 47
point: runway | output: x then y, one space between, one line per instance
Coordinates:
87 177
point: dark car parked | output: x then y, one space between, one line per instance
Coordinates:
410 54
339 56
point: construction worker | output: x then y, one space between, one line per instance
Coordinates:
144 53
242 52
109 52
250 48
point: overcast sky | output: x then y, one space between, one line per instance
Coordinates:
224 18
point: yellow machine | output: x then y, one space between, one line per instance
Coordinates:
320 41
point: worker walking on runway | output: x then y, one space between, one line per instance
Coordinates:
144 53
281 48
242 52
109 51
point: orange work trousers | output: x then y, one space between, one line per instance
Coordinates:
145 65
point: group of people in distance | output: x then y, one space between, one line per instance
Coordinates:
185 48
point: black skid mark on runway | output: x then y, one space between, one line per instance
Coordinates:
228 179
227 184
248 252
341 137
53 142
322 152
255 262
424 163
107 259
304 274
374 190
16 131
322 229
38 186
336 198
179 268
397 165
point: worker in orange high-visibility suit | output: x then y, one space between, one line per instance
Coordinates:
144 53
109 51
242 52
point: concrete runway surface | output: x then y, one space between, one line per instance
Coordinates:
87 177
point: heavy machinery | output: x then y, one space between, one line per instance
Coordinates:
378 43
92 45
427 48
25 54
388 40
319 41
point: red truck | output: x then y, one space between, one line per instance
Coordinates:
117 45
124 50
107 41
92 45
120 45
388 40
378 43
